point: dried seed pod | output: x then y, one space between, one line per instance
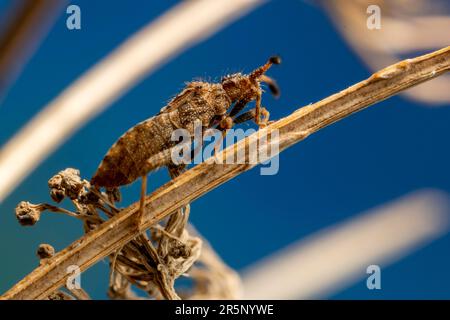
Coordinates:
27 213
178 249
56 191
59 295
66 183
45 251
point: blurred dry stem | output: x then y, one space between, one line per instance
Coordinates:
407 27
23 27
118 231
214 279
338 256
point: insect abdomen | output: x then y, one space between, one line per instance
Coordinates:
124 161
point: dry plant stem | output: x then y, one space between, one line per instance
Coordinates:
194 183
187 23
79 294
163 283
142 199
27 22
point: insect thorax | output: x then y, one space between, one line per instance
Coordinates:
208 101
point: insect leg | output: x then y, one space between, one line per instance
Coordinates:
195 151
273 86
266 114
161 159
219 142
142 201
232 114
238 107
249 115
258 110
225 124
246 116
157 161
177 220
176 169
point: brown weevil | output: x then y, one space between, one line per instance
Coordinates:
146 146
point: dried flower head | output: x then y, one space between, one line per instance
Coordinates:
45 251
27 213
56 192
178 249
152 262
59 295
66 183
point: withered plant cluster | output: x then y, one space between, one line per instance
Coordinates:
150 262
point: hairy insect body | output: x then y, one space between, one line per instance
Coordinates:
200 101
147 146
128 157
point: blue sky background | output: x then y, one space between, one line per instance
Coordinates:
370 158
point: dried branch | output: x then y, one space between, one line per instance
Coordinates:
45 252
121 229
187 23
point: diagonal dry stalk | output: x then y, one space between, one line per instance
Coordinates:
196 182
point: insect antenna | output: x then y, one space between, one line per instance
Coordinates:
261 70
273 86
